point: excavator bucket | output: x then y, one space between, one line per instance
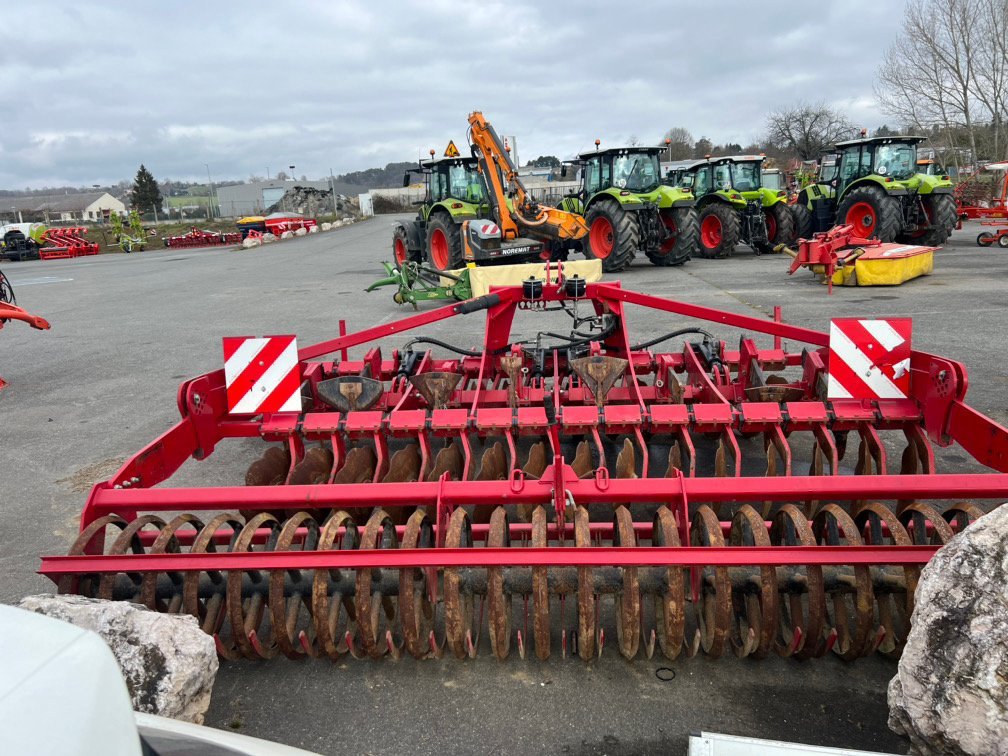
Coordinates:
558 495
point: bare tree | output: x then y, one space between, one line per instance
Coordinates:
633 141
678 143
807 129
949 68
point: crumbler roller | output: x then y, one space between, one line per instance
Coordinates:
550 495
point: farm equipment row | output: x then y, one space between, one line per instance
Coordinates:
66 243
555 493
199 238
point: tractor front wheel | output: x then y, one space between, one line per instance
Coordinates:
683 225
780 228
444 243
802 220
400 247
872 213
613 236
942 217
719 231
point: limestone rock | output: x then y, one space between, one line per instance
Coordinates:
287 235
300 231
326 226
313 229
950 693
268 238
249 242
169 664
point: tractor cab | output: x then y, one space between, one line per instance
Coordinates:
630 169
892 158
448 179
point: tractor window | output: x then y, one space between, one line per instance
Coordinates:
465 183
597 176
746 176
637 172
722 176
898 161
828 168
850 165
702 180
772 181
438 186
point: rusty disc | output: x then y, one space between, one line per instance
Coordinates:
167 542
670 606
832 526
540 588
285 609
760 610
628 599
416 612
586 589
714 612
90 540
801 616
499 601
327 609
379 533
458 607
246 615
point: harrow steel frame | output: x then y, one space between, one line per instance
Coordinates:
722 401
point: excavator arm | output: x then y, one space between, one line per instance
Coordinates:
528 218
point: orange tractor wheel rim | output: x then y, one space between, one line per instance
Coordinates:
600 236
710 232
439 249
861 215
399 250
771 226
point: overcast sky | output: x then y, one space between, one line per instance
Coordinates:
92 89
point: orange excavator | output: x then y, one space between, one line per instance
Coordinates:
521 229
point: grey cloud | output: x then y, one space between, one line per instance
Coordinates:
349 85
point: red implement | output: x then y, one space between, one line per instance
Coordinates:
709 496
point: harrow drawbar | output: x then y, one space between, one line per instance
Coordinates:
563 493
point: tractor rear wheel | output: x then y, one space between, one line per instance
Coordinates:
803 221
942 215
683 224
400 246
444 243
613 236
780 228
872 213
719 231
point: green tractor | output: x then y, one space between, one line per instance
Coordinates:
734 205
874 185
455 193
627 209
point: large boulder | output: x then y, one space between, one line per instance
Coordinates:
300 231
169 664
950 694
248 242
287 235
326 226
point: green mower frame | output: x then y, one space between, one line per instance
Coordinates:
628 209
874 185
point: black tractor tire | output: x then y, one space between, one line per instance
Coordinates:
780 226
613 236
802 220
401 252
943 214
872 212
720 230
444 243
685 224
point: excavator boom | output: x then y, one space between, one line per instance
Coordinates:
528 218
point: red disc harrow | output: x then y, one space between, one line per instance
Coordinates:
557 491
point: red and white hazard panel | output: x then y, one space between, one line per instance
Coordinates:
262 374
869 359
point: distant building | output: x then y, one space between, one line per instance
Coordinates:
255 197
61 208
